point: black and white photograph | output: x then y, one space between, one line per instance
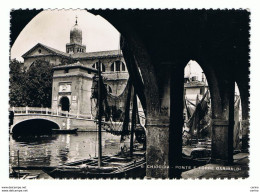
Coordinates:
129 94
161 99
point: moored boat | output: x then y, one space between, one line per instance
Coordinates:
112 167
64 131
116 166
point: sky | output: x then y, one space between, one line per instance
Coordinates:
52 28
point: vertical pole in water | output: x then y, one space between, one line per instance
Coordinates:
133 124
99 116
18 159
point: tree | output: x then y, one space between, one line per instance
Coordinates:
67 61
17 84
39 84
30 87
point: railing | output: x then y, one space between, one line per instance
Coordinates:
46 111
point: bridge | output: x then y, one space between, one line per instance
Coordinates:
55 119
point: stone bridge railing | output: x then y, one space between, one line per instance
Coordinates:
46 111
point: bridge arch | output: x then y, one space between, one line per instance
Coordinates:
34 126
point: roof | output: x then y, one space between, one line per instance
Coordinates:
75 65
52 50
57 51
97 54
195 84
88 55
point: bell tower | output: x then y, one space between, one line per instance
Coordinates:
75 45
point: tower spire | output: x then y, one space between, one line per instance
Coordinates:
75 45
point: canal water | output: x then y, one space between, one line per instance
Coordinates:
51 150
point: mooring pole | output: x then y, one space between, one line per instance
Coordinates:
133 124
99 117
18 159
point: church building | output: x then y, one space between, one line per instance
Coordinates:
74 71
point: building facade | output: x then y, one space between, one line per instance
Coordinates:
194 91
71 88
74 71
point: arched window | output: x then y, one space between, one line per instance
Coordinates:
103 68
118 66
123 66
112 67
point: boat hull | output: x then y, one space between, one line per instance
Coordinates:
137 172
114 167
65 131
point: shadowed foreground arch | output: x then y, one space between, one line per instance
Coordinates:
160 43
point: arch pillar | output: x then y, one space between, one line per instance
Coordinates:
157 146
176 118
219 146
146 84
223 125
164 127
163 95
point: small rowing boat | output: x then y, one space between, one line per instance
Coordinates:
64 131
112 167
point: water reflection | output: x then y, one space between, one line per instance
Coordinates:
34 139
51 150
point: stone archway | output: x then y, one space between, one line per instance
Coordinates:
65 104
155 43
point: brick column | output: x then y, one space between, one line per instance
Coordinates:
219 148
157 147
223 127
